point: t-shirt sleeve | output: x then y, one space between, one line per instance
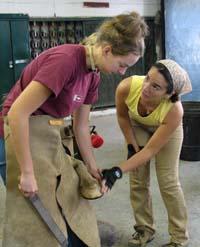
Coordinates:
55 72
92 95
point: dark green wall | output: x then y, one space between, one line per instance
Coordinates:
14 49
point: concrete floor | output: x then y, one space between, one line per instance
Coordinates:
114 212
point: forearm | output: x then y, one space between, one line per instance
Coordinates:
111 175
83 140
140 158
19 126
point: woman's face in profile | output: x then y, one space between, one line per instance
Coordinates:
116 63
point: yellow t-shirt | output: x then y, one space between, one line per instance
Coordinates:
156 117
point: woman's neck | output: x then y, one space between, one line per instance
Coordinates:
90 61
146 107
150 103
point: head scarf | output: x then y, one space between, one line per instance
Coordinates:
181 80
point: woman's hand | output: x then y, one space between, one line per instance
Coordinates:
131 151
95 172
111 175
28 185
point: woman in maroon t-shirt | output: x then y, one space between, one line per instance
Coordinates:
60 81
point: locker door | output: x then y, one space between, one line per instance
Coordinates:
20 45
6 65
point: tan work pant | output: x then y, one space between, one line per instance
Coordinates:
58 185
167 171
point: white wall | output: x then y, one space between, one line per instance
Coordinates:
68 8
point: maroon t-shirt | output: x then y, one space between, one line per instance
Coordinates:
63 70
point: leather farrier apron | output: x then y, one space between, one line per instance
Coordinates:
23 226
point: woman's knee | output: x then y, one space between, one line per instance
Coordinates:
170 187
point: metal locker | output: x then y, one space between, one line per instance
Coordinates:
6 58
14 49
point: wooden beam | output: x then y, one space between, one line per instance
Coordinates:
96 4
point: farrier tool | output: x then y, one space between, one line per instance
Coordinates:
48 220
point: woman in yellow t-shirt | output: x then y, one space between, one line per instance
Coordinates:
150 116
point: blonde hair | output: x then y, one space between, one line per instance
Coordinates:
125 33
90 40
